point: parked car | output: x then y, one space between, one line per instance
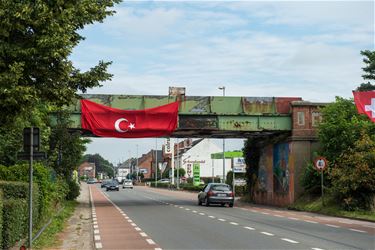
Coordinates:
216 193
92 181
113 185
127 184
164 181
105 183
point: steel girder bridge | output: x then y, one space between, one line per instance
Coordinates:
206 116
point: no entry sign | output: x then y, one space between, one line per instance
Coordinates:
320 163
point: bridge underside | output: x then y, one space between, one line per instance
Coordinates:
215 117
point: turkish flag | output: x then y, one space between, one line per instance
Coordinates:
111 122
365 103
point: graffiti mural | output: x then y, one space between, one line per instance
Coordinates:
262 174
281 167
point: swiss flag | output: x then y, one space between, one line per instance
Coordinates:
365 103
111 122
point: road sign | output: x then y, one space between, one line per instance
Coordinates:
196 174
320 163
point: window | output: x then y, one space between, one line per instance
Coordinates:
316 119
301 118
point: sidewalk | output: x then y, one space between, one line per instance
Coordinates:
78 234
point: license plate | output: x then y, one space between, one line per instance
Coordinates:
221 195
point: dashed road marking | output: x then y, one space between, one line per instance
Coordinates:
181 207
250 228
138 229
133 224
292 218
277 215
194 211
266 233
310 221
187 209
151 242
97 237
95 226
130 221
96 231
157 249
356 230
265 213
234 223
315 248
201 213
143 234
289 240
330 225
221 220
98 245
212 217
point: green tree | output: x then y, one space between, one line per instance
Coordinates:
353 176
181 172
369 70
101 164
37 38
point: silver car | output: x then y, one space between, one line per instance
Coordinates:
216 193
127 184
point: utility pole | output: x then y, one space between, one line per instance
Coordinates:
223 89
178 165
136 167
156 162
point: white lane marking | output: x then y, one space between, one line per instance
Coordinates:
95 223
330 225
158 249
315 248
266 233
221 220
96 231
194 211
289 240
292 218
250 228
98 245
187 209
234 223
212 217
143 234
181 207
277 215
126 217
95 226
133 224
138 229
265 213
310 221
201 213
97 237
130 221
356 230
151 242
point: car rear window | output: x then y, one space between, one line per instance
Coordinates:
221 188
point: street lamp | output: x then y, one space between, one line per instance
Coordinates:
223 89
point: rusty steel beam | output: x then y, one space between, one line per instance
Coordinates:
207 116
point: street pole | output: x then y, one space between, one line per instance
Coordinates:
178 165
31 188
321 178
223 89
136 167
172 160
156 162
213 170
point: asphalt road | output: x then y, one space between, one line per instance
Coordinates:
174 221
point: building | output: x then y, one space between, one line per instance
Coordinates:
87 169
146 163
188 152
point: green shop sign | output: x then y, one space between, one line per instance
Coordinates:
196 174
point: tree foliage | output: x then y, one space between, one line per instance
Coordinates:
37 38
369 70
101 164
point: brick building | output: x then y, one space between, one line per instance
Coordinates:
87 169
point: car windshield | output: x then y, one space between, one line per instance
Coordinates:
114 183
221 188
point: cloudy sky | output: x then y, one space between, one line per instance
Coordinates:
308 49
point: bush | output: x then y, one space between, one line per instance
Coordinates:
190 187
1 217
207 180
74 190
15 219
241 190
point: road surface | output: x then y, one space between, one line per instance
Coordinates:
162 219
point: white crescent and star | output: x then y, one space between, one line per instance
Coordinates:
117 125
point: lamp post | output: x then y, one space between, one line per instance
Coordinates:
156 162
136 167
223 89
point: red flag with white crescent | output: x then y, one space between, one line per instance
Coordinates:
365 103
105 121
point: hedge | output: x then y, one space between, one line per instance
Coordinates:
1 217
15 219
20 190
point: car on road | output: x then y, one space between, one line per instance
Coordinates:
127 184
92 181
105 183
216 193
113 185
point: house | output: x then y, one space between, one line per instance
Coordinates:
146 163
87 169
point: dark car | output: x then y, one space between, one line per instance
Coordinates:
105 183
113 185
216 193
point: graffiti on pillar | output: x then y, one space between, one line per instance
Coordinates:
262 174
281 167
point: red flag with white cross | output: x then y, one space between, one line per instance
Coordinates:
365 103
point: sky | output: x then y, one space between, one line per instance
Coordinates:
308 49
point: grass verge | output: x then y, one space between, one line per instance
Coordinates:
48 238
314 204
